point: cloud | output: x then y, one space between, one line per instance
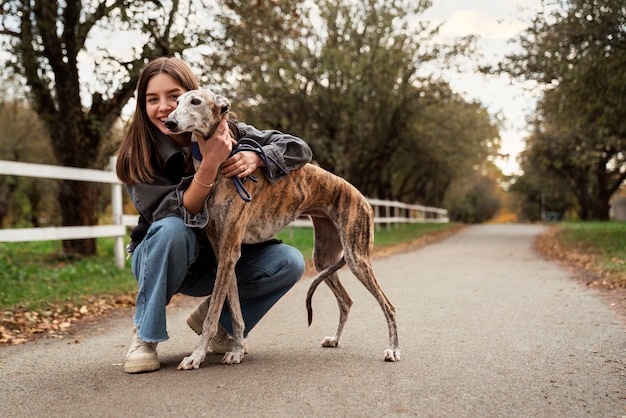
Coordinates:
486 25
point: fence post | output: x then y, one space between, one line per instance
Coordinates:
376 216
117 207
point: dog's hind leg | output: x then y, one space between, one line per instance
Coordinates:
327 251
361 267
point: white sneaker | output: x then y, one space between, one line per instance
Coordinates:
142 356
221 343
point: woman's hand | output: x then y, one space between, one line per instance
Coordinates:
217 148
214 151
241 164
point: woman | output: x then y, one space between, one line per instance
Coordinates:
170 253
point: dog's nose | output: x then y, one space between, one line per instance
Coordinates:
171 124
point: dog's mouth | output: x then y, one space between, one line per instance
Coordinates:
174 126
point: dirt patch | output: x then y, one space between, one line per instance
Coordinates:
583 267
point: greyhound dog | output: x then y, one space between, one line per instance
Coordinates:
342 220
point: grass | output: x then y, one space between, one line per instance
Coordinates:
35 275
302 238
604 242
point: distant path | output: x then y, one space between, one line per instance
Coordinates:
488 329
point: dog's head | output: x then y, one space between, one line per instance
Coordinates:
198 111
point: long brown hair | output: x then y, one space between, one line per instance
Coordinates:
138 151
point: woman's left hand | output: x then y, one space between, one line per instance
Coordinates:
241 164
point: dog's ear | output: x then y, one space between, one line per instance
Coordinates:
223 103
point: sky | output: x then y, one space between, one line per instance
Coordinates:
495 22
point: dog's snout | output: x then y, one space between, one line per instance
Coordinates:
171 124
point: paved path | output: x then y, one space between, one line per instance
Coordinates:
488 329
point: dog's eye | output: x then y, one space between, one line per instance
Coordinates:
196 102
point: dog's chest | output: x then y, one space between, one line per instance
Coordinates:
254 222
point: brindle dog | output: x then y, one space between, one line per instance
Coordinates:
342 219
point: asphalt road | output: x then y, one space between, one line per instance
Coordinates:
488 329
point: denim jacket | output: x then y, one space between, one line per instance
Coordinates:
164 196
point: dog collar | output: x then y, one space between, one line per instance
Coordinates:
195 151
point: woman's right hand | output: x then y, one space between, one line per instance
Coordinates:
218 147
214 151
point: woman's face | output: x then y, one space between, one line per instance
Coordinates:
161 94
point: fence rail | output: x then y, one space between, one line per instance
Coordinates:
386 212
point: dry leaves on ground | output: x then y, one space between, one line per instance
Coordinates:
20 325
583 260
584 266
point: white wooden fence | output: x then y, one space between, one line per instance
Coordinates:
385 211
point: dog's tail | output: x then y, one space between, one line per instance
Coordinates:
319 279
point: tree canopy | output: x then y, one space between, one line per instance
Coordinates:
577 55
346 77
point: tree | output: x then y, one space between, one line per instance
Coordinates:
47 38
449 140
474 199
578 55
23 138
540 191
344 76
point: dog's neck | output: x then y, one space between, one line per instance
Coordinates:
208 135
195 149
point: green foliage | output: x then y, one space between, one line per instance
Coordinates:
45 39
475 199
341 74
577 53
344 76
451 142
24 201
538 192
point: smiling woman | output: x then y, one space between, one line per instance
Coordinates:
170 250
161 96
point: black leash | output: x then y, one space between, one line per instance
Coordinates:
247 144
244 144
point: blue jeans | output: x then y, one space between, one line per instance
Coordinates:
169 261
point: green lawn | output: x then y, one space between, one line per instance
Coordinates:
605 241
35 274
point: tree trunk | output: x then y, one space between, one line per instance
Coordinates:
602 208
76 145
78 202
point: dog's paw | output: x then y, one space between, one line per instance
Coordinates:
392 354
330 342
190 363
232 358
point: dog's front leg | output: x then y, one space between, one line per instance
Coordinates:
209 326
209 329
235 356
